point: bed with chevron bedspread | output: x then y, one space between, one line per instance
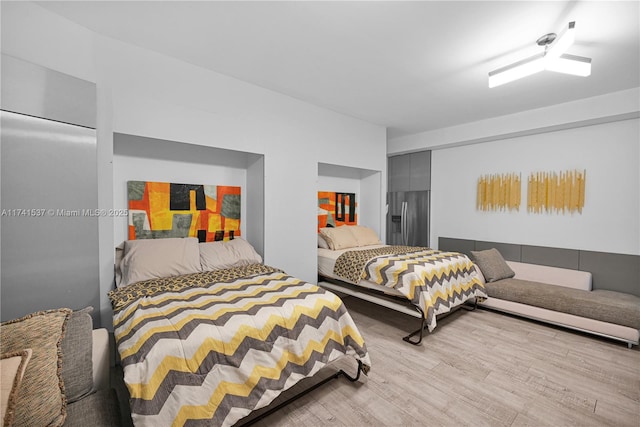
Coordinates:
209 348
432 280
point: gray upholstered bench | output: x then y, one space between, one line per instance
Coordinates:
564 297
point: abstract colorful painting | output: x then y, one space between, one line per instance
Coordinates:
162 209
336 209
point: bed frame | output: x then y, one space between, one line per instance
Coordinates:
396 303
340 373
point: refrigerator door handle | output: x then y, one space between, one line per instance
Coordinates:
406 223
402 223
405 233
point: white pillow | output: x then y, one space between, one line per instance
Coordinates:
365 236
322 243
339 238
154 258
233 253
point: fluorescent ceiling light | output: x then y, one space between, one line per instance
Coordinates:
518 70
570 64
553 58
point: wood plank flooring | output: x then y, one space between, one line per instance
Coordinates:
478 368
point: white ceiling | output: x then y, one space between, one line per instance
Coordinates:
410 66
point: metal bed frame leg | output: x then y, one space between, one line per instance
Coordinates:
419 331
361 368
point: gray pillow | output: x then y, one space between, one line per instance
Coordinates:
492 265
77 352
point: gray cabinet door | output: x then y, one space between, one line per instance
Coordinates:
420 176
410 172
399 173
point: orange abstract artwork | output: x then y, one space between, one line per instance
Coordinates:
336 209
163 209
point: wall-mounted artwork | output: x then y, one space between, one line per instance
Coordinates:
163 209
499 192
336 209
550 191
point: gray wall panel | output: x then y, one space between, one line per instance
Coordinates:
554 257
616 272
509 251
456 245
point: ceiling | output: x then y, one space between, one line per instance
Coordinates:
409 66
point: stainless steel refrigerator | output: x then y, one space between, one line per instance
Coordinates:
49 236
408 218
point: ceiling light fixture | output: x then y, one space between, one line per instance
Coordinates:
553 58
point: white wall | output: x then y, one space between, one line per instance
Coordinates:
609 107
599 134
610 220
146 94
187 104
340 184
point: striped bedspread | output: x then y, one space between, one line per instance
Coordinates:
432 280
209 348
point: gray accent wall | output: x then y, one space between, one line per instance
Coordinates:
617 272
509 252
614 272
554 257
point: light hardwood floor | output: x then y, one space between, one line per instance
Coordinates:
477 368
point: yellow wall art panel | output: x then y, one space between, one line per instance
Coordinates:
499 192
556 192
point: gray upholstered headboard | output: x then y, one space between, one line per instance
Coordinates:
615 272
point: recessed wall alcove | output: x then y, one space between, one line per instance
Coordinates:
366 183
151 159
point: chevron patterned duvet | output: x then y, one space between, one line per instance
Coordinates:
209 348
432 280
